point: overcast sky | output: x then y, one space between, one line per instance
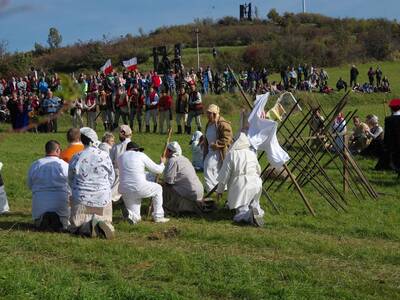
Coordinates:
24 22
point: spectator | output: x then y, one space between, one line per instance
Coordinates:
353 75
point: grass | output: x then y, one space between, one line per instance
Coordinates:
352 255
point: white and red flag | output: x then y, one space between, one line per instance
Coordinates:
107 68
130 64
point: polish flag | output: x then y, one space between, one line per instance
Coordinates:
107 68
130 64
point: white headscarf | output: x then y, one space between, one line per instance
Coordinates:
90 134
196 137
175 148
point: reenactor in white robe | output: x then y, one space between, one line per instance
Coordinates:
135 184
241 171
182 190
48 181
125 134
4 208
91 175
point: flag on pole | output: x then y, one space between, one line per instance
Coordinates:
262 133
107 68
130 64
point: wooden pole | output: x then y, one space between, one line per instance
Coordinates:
345 165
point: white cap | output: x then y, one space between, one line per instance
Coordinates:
175 148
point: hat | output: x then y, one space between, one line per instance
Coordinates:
134 146
212 108
394 103
90 134
125 130
175 148
195 137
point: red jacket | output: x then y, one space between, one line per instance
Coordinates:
165 103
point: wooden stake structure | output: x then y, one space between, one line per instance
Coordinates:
300 191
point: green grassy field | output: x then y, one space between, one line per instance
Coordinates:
353 255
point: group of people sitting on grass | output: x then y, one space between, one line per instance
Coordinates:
367 138
75 189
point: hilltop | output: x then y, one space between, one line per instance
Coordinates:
274 42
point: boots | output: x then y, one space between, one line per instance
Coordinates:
140 127
179 129
105 126
147 128
155 128
199 128
188 129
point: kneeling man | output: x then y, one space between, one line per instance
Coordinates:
241 173
48 181
91 175
134 183
182 190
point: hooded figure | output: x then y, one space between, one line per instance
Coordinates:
241 171
196 144
182 191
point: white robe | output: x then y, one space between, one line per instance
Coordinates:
212 160
91 175
3 196
48 181
116 151
262 134
240 171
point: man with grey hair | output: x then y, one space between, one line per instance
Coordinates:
182 190
91 175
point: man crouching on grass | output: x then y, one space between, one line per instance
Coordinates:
241 173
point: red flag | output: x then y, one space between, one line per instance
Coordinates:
130 64
107 68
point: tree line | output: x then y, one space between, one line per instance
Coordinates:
273 42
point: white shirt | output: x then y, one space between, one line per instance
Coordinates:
48 181
91 175
117 150
132 169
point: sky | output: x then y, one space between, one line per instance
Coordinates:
24 22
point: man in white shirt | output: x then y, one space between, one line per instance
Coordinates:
134 184
240 171
91 175
125 134
48 181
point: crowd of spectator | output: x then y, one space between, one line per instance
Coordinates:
152 99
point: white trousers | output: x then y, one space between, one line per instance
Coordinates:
181 118
133 201
3 201
244 213
211 170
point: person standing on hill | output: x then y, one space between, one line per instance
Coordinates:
353 75
181 109
195 109
165 109
136 108
371 76
378 74
91 105
151 102
218 137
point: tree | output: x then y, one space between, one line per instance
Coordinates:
273 16
54 38
3 48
